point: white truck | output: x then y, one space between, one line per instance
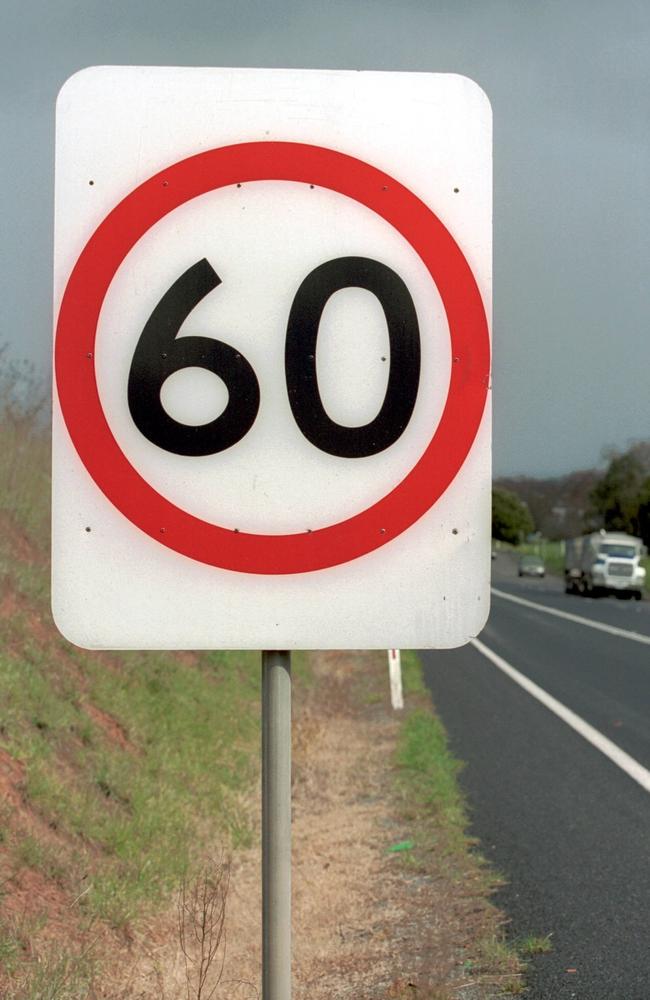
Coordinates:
604 562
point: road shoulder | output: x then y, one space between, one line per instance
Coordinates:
390 899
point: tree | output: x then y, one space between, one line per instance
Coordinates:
511 518
622 497
644 513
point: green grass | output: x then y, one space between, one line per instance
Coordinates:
57 975
192 734
137 764
412 679
428 775
435 808
533 944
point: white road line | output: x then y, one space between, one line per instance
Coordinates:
612 629
623 760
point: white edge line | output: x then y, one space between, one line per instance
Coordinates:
623 760
612 629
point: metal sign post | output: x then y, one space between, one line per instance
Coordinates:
276 825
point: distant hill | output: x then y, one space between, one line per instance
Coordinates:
560 505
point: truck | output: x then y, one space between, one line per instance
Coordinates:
604 562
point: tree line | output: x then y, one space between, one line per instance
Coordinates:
622 497
617 499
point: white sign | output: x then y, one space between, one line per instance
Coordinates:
271 422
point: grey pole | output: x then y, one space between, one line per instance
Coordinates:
276 825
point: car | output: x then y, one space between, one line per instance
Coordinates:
531 566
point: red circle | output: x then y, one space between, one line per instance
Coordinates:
128 490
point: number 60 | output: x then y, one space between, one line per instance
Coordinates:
160 353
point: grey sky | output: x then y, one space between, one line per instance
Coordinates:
569 82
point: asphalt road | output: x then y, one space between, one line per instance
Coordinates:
566 825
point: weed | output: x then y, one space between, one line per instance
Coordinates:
202 930
57 977
533 944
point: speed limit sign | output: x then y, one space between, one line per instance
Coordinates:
272 359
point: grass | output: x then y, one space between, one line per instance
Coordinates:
434 804
428 776
192 732
412 679
533 944
189 735
126 767
57 976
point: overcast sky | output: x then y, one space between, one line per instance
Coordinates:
569 82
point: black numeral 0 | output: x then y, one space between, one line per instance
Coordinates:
160 353
300 357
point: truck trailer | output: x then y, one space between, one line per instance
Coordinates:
604 562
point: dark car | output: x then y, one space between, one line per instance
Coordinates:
531 566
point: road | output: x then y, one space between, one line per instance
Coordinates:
567 825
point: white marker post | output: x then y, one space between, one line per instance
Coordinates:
395 675
276 825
